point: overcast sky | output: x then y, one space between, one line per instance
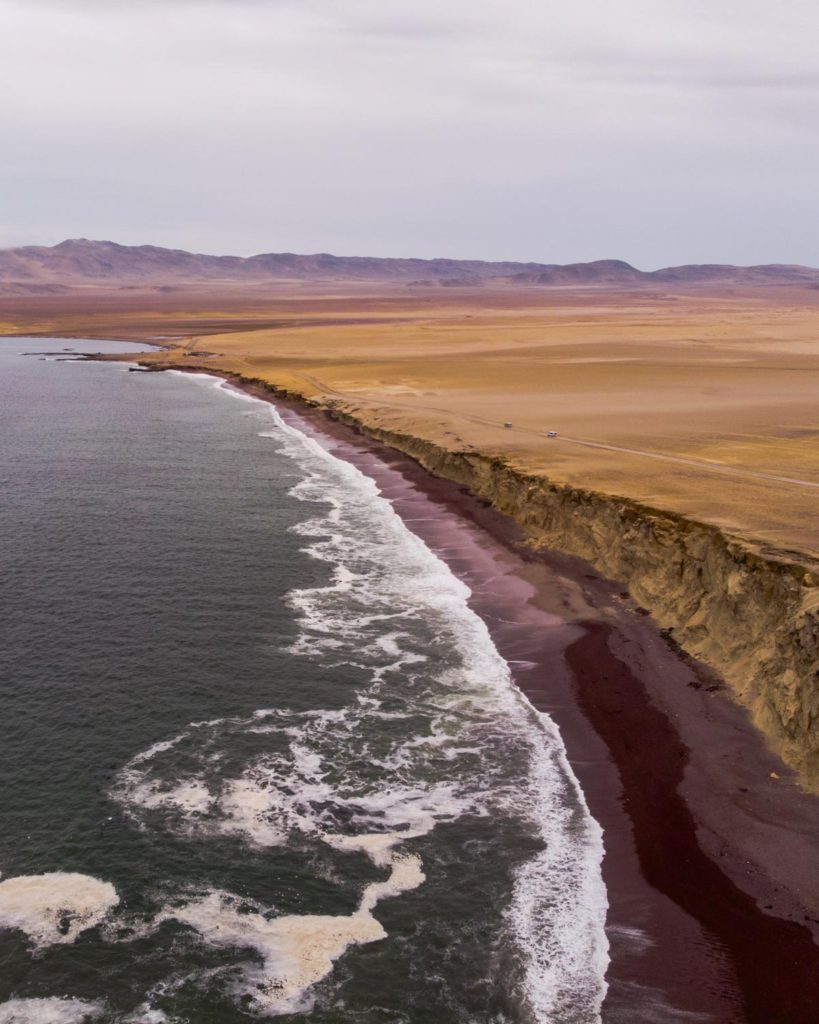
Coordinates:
656 131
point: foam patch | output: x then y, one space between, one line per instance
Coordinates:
296 950
54 908
48 1011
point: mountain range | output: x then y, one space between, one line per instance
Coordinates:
81 262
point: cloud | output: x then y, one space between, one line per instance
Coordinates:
657 130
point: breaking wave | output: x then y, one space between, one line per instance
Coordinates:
438 732
422 763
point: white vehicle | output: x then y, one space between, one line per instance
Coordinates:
552 433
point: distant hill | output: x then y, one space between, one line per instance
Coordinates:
78 262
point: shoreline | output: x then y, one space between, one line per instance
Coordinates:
712 859
745 607
695 925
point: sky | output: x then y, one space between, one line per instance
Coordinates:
656 131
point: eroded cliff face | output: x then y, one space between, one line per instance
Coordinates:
751 614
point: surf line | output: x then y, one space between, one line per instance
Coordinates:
558 909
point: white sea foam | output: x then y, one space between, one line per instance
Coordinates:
48 1011
378 846
191 797
56 907
317 787
296 950
483 749
146 1014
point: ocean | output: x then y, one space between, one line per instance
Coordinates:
258 757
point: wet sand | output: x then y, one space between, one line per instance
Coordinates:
711 864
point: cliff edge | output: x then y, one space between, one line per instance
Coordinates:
749 611
752 614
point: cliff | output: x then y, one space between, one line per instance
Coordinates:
751 613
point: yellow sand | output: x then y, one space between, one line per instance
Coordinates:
716 398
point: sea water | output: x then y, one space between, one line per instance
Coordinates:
258 757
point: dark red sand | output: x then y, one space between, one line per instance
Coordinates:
775 962
711 866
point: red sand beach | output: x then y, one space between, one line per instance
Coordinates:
712 864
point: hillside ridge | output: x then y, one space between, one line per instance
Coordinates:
79 262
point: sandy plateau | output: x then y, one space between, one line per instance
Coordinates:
728 385
728 392
685 462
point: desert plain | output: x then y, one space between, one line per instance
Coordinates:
703 402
